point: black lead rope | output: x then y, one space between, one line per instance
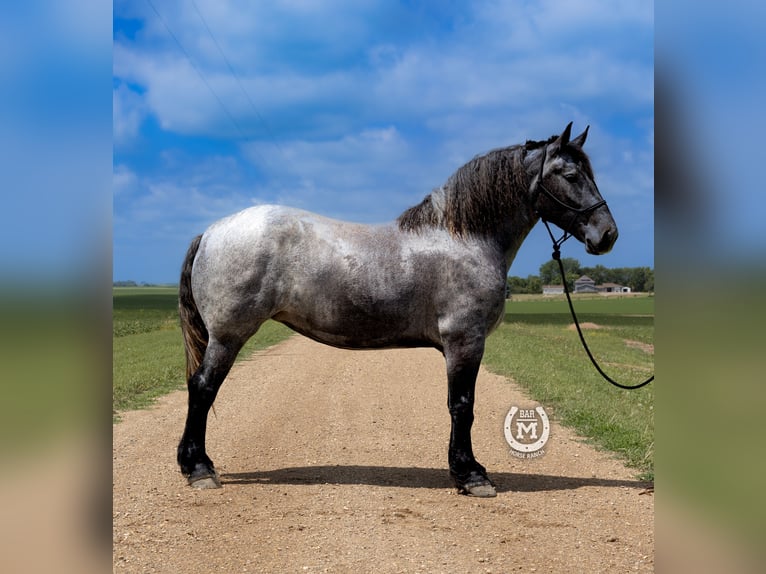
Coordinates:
557 256
575 211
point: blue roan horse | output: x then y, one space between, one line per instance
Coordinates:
434 278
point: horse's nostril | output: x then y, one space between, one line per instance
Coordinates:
608 239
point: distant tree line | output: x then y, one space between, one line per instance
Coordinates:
130 283
637 278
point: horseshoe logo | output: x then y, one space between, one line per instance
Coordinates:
527 430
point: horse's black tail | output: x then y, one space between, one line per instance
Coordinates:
193 328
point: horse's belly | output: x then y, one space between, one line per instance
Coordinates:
334 320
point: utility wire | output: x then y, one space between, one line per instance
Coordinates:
236 77
199 72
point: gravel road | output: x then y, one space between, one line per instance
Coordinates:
336 461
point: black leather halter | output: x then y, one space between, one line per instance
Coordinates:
575 211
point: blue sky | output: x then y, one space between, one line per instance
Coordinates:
356 110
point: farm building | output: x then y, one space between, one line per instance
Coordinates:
553 289
587 285
613 288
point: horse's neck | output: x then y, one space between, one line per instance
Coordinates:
520 223
518 231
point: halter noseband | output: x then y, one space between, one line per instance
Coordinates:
576 211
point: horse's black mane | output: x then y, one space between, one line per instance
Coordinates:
533 144
469 202
574 151
480 194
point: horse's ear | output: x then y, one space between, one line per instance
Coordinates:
561 141
564 137
580 140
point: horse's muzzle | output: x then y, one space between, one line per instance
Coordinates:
603 243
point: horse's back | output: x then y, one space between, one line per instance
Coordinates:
311 272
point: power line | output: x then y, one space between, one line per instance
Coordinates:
236 77
199 72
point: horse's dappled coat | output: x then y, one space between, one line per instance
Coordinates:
435 277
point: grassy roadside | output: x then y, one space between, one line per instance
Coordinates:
148 352
536 347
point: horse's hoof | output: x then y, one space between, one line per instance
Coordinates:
205 482
480 490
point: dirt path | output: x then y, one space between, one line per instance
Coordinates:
336 461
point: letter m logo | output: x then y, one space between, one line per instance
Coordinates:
523 428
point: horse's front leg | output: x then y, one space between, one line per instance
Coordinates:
462 368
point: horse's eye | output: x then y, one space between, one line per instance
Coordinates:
571 176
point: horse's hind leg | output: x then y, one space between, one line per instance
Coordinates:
463 362
203 387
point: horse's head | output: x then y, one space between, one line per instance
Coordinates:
566 194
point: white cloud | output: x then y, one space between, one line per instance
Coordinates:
351 110
128 111
497 60
172 90
532 24
185 103
376 167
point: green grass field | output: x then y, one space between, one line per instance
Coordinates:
148 351
537 348
534 346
